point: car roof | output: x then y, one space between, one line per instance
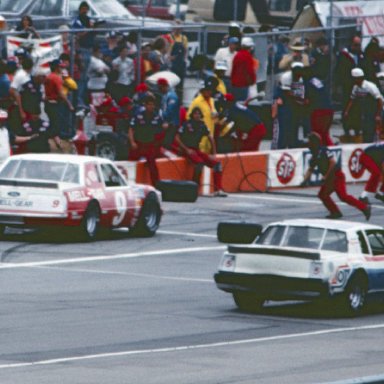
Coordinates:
341 225
78 159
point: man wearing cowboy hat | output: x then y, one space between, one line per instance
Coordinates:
297 54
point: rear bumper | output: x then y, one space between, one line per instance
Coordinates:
272 287
37 220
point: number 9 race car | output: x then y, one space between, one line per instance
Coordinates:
82 192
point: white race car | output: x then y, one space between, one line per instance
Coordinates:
306 260
82 192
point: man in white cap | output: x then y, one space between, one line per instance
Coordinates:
292 113
226 54
366 96
243 73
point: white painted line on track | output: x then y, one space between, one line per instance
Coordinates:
186 234
103 272
190 347
111 257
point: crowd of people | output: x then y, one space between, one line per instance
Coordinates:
220 118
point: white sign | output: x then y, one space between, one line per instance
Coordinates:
42 50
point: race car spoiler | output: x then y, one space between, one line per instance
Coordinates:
33 184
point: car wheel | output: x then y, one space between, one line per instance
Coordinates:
149 219
354 298
106 149
91 222
247 301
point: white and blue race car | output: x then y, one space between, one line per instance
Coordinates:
306 260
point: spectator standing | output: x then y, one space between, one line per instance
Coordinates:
27 29
146 133
295 103
334 180
205 102
57 106
146 68
367 98
320 60
226 55
170 109
178 54
243 74
158 56
349 58
110 47
32 91
296 54
5 85
372 159
22 76
124 66
97 73
372 60
188 138
85 43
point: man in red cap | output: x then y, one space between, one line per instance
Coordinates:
170 108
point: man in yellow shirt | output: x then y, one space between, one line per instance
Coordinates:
205 102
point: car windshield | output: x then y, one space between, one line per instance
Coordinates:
103 8
41 170
12 5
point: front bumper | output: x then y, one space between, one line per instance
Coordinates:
272 287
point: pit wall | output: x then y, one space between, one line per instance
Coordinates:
252 171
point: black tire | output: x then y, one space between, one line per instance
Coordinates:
106 149
149 220
180 191
355 295
248 301
90 225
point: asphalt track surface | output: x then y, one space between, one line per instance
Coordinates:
126 310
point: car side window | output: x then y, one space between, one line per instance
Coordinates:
376 241
71 174
271 236
335 241
110 176
363 243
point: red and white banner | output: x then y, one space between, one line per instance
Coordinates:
42 50
285 168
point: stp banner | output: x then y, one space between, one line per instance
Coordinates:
286 168
42 50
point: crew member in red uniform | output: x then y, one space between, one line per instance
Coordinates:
146 133
334 179
372 159
188 138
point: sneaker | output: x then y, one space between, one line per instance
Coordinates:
220 193
367 212
380 197
334 215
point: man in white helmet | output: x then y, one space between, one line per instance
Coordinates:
367 98
243 73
